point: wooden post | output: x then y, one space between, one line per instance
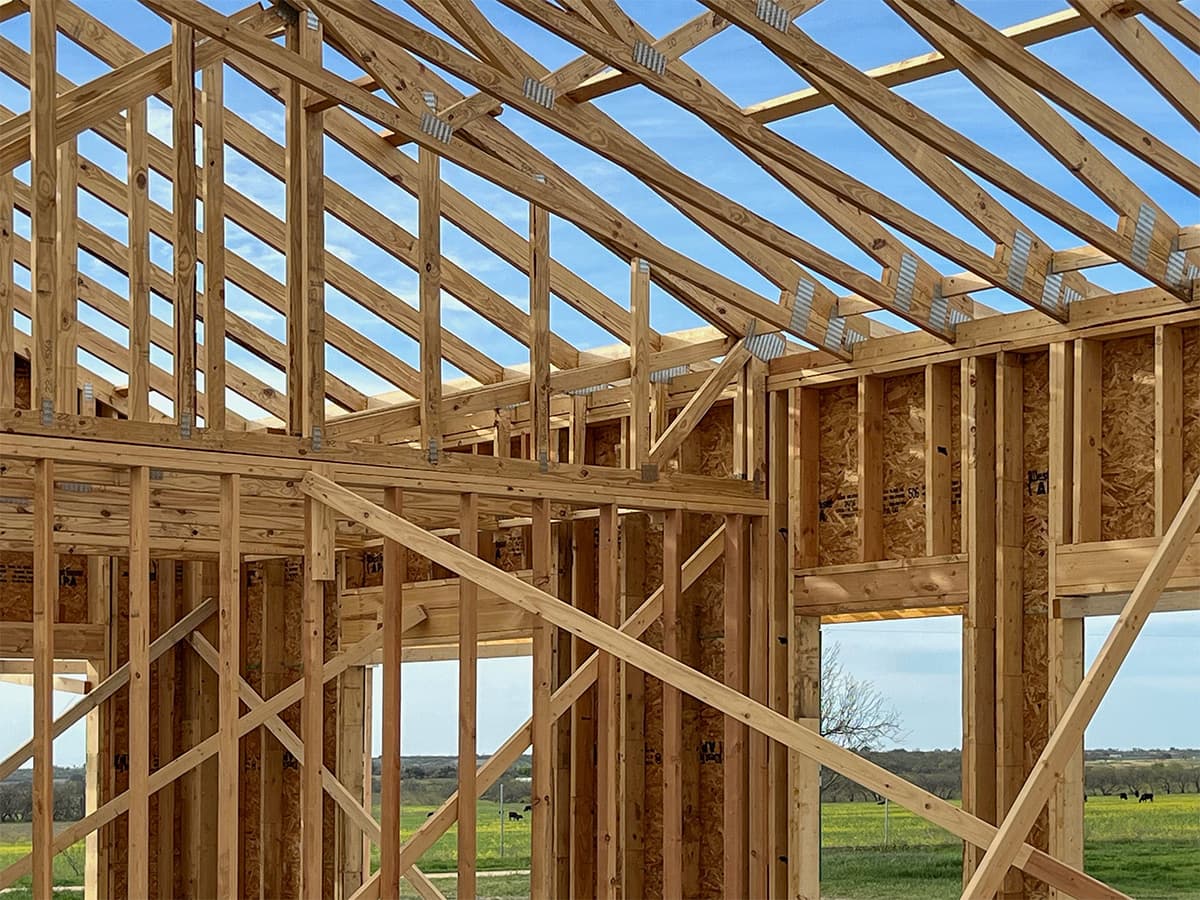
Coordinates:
870 468
139 682
939 381
760 646
803 839
779 538
1010 593
672 708
138 182
1065 636
539 330
7 371
633 716
100 613
542 791
978 434
429 273
43 140
229 623
608 712
68 276
468 674
1168 425
45 606
318 568
639 363
583 719
276 677
394 562
213 81
183 109
1088 393
736 786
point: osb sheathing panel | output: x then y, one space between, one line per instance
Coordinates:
838 490
652 823
293 597
1036 507
16 587
250 785
1191 406
956 466
904 466
118 725
708 451
1127 439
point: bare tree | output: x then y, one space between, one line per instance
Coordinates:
854 714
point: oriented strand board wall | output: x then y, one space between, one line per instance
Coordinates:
838 529
1127 442
904 466
1036 507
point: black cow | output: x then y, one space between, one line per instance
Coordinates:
515 816
1124 796
428 814
1146 798
528 808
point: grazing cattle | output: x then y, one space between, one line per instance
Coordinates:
1124 796
1146 798
515 817
528 808
428 814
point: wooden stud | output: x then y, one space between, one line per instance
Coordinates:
213 81
183 117
1010 594
311 41
779 536
672 708
99 613
294 212
939 381
639 363
632 788
318 568
277 675
165 680
45 605
394 563
139 681
542 885
468 696
583 715
978 435
804 782
736 786
1088 404
138 181
608 711
67 214
870 468
44 273
1168 425
7 363
229 620
539 331
429 206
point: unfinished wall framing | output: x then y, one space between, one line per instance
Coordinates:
662 526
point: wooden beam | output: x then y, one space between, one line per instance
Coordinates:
1168 425
701 401
138 181
542 791
736 664
213 80
311 45
44 273
394 566
1088 402
539 330
640 446
430 290
608 710
67 215
870 468
139 681
229 619
978 436
702 687
45 605
468 698
183 117
1004 846
672 708
1010 592
7 363
781 532
318 568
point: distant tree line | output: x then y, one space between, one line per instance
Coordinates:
16 799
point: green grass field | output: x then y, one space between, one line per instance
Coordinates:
1150 851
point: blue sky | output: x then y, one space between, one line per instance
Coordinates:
913 662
